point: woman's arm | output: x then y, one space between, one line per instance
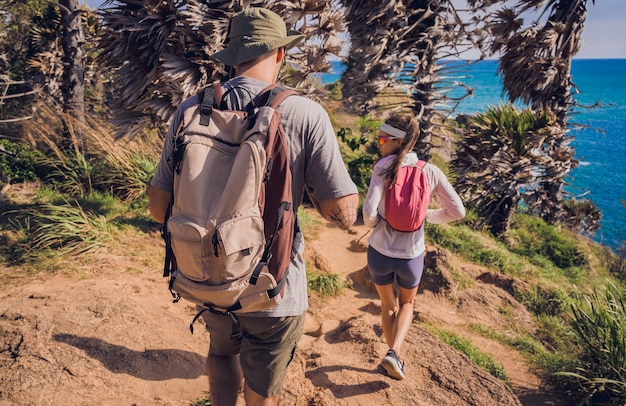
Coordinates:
453 208
374 195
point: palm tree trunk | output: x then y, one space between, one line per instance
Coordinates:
74 69
502 215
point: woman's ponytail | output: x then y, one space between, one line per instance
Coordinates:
409 125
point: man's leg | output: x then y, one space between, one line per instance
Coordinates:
254 399
224 379
267 349
222 362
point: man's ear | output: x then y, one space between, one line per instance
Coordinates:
280 55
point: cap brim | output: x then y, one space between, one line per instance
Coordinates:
236 55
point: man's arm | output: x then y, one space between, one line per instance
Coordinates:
341 211
159 201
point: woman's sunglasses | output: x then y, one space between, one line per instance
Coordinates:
382 140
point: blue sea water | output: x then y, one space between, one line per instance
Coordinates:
599 134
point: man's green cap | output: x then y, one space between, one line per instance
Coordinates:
254 32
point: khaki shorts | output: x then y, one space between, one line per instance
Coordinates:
266 347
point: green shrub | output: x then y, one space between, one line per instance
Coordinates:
361 170
616 262
18 162
366 153
326 284
334 90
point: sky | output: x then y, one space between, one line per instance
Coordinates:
604 35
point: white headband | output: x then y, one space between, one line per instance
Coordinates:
394 132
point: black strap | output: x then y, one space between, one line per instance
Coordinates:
206 107
175 295
235 328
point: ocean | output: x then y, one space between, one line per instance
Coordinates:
599 134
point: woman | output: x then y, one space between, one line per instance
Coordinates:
396 255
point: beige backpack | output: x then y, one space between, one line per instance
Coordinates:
230 230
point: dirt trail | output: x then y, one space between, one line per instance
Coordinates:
105 332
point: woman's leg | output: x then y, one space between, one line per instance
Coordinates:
388 308
397 314
408 276
403 318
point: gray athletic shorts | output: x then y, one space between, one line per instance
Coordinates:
384 269
266 347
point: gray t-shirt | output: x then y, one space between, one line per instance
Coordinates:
315 163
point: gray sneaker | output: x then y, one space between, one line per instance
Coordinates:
393 365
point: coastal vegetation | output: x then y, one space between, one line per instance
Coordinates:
85 154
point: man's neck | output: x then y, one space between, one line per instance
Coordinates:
265 69
255 75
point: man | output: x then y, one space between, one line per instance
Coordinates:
258 40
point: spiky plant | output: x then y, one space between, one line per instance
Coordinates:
501 159
600 324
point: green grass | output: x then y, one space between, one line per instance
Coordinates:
309 225
600 325
543 299
476 247
126 177
532 348
480 358
67 229
325 284
546 244
205 401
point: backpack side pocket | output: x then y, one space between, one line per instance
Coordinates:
189 243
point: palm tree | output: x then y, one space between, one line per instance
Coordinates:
398 50
160 50
46 45
535 65
500 162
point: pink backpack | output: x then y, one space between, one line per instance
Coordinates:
406 200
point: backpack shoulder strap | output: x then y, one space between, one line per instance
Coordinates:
208 102
282 94
273 95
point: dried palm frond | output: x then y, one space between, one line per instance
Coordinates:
160 49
